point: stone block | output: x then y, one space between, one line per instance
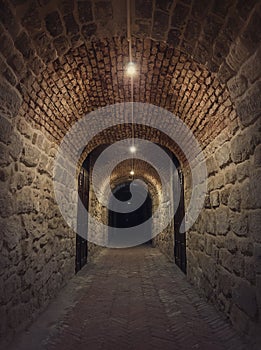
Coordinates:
31 19
12 285
222 155
12 231
245 297
174 36
243 170
254 222
225 73
239 223
210 222
238 55
249 107
251 69
234 200
103 11
211 165
178 19
242 146
192 30
230 175
219 181
71 25
15 148
16 62
246 196
160 24
254 185
164 5
5 173
225 282
258 290
10 99
224 195
143 8
220 48
10 76
25 201
251 34
220 8
237 86
238 264
239 319
231 244
222 221
245 246
61 44
212 26
85 11
6 45
226 259
214 199
257 156
5 130
24 45
7 204
30 155
257 258
89 30
54 24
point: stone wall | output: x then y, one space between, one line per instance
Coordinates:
37 247
60 60
98 212
223 247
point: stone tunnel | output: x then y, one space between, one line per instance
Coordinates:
65 60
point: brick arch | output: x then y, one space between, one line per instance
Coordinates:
198 59
65 57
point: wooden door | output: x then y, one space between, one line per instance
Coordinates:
82 221
179 238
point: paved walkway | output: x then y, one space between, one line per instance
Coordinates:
130 299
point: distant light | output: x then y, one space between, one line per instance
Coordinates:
133 149
131 69
132 172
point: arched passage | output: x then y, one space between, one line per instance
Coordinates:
133 217
198 59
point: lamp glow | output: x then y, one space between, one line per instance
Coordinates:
132 149
132 172
131 69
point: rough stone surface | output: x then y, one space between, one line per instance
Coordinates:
198 59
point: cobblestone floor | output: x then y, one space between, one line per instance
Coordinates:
130 299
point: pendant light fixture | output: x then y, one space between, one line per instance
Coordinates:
131 71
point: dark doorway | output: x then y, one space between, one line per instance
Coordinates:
82 220
179 210
179 237
132 218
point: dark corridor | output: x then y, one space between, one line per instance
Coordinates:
131 218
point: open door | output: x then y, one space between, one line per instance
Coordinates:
82 220
179 238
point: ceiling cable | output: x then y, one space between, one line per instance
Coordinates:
131 70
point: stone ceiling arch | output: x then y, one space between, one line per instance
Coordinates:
77 49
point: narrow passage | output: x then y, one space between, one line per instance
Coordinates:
130 299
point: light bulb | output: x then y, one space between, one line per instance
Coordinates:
133 149
131 69
132 172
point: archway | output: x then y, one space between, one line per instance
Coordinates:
132 218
